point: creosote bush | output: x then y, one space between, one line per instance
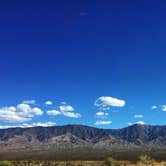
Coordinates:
5 163
145 159
110 162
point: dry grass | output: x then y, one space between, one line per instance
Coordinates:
83 163
58 163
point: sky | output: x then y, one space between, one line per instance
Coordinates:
89 62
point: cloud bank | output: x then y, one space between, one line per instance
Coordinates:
25 125
20 113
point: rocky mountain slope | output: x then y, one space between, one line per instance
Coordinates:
71 139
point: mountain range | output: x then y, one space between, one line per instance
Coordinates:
78 141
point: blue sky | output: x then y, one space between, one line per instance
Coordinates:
99 63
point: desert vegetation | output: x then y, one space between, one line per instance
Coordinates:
52 163
143 160
6 163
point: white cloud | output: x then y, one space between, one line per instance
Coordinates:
53 112
154 107
26 125
130 124
27 110
105 102
138 116
19 113
10 114
31 102
159 107
72 114
37 111
66 108
163 107
45 124
139 122
100 122
48 103
101 114
7 126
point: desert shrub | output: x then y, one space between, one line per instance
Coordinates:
5 163
110 162
68 164
145 159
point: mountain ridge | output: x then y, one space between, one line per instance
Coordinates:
82 139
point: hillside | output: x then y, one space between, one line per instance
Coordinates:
79 141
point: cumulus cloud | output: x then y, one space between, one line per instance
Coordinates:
138 116
37 111
101 122
20 113
30 102
48 103
68 110
53 112
72 114
101 114
27 110
26 125
105 102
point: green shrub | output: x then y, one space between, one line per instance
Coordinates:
110 162
145 159
5 163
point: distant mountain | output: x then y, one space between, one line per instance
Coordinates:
78 141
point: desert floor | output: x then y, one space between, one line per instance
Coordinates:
83 163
